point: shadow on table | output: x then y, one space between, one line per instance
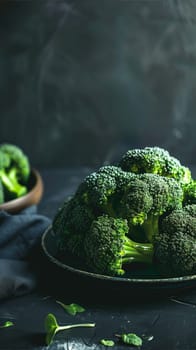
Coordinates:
59 283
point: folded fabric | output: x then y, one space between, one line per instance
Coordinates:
20 234
15 278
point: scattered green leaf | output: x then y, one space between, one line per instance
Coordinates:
107 342
52 327
7 324
131 339
72 309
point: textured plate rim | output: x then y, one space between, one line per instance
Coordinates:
162 281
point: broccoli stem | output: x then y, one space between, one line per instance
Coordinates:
137 252
10 182
109 210
62 328
151 227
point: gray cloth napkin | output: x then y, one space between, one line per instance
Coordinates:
15 278
20 236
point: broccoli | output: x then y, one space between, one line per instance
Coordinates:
107 247
14 170
100 189
72 216
71 223
97 188
119 214
175 244
146 199
190 193
136 202
73 219
155 160
99 193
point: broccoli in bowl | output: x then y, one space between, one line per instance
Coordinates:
20 184
14 172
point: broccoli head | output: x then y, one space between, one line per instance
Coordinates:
190 193
97 188
120 214
97 194
140 199
71 223
155 160
108 248
14 170
180 220
100 190
175 244
148 197
136 202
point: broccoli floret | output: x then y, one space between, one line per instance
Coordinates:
97 188
190 193
59 220
175 244
190 209
136 202
71 223
17 159
178 221
96 195
14 170
167 195
74 216
100 189
147 197
155 160
108 248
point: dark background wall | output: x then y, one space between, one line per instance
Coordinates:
84 80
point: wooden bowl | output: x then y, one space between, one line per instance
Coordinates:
34 195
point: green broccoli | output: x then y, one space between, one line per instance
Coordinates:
14 171
92 198
118 213
139 198
97 188
108 248
155 160
175 244
190 193
71 223
146 199
99 193
136 202
100 189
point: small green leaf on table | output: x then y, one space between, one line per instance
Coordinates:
52 327
107 342
72 309
130 338
7 324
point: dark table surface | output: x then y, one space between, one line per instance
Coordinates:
165 320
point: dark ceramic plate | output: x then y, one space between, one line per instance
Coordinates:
138 277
